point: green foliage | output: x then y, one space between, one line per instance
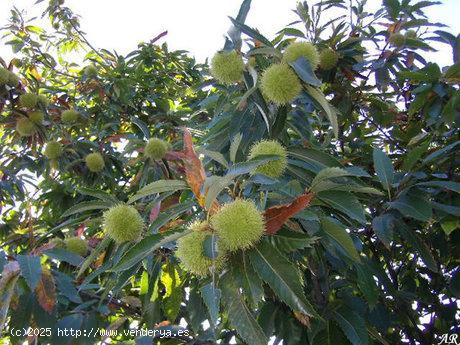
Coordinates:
42 100
90 71
4 75
351 236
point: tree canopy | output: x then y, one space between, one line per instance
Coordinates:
299 189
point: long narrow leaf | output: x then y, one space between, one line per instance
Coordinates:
159 186
146 246
282 276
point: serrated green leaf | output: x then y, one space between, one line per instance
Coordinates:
330 335
450 185
250 165
31 269
66 286
217 156
211 296
281 275
98 194
337 231
303 69
366 284
93 256
344 202
251 281
196 309
170 214
159 186
413 206
441 153
383 168
172 296
319 159
234 146
331 113
317 184
413 239
65 256
87 206
414 155
146 246
239 314
353 325
213 186
453 210
289 241
251 32
383 228
142 126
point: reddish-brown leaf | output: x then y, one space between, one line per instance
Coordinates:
116 138
194 170
174 155
155 211
276 216
173 200
8 282
163 324
93 241
99 261
172 224
9 270
80 230
43 248
302 318
46 291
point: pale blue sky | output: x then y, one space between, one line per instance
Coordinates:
194 25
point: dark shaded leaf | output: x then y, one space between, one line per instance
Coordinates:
344 202
239 314
146 246
383 168
31 269
281 276
413 206
211 296
305 72
338 232
352 325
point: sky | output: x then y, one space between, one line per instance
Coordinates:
194 25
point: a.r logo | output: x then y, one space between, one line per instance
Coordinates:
448 339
